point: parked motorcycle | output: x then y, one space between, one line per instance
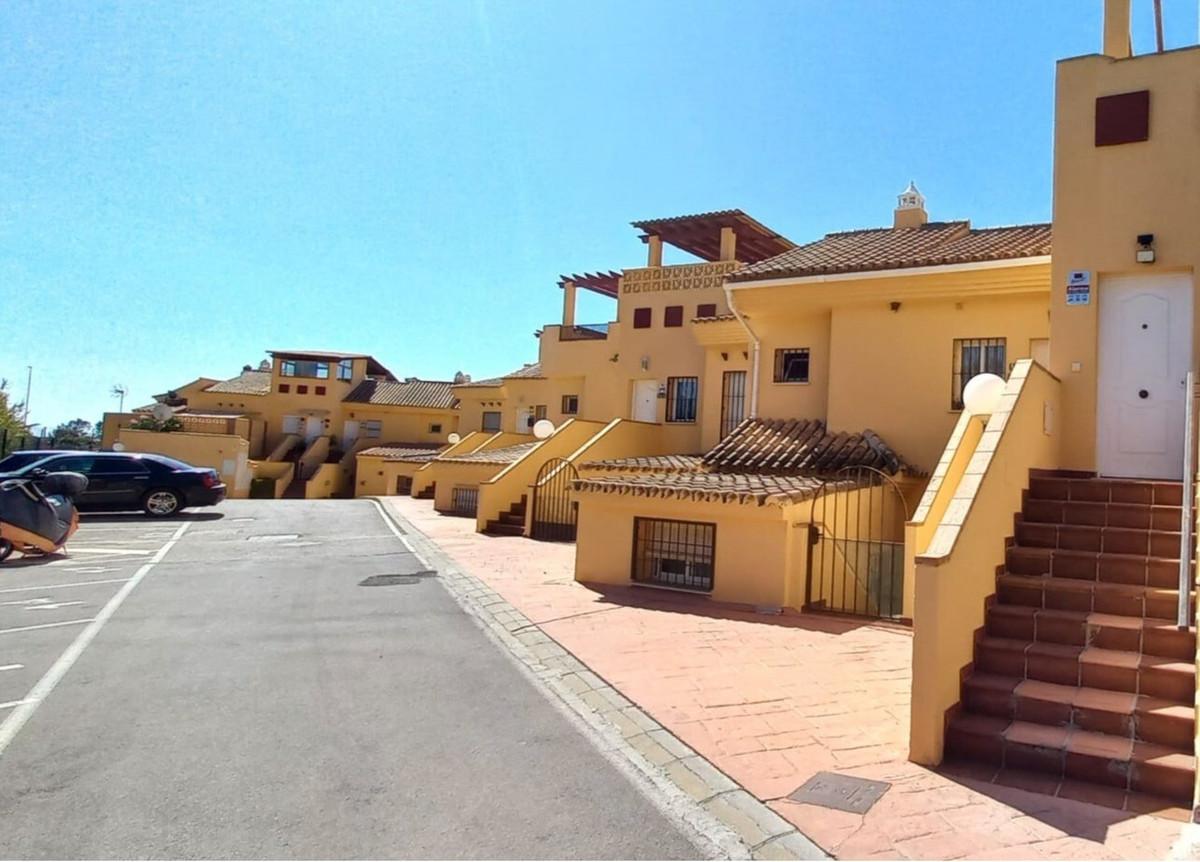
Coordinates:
37 513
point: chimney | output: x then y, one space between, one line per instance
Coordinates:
910 208
1116 29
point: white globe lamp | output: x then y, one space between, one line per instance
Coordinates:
118 447
982 394
453 438
543 428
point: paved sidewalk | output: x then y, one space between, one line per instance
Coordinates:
771 700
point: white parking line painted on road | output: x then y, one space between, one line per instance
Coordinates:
46 626
396 532
16 719
11 666
65 586
116 552
12 703
51 606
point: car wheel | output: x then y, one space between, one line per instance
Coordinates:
161 503
6 548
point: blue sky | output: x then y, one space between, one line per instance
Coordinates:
184 186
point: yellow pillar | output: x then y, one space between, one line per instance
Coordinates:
654 255
728 244
1116 29
568 317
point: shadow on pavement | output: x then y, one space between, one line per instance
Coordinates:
140 517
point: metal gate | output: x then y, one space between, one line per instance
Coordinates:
856 551
464 501
555 512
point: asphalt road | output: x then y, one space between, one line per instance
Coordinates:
250 699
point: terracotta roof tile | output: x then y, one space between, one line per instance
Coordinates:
712 487
530 371
503 455
799 446
246 383
932 244
403 451
719 318
409 393
647 464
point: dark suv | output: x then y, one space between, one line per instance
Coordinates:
118 481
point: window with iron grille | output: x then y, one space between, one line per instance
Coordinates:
974 356
674 553
465 501
404 484
570 404
435 428
791 365
733 401
372 428
682 394
641 318
673 315
706 309
539 412
491 420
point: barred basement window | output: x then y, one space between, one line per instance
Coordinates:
435 428
682 393
674 553
570 404
791 365
974 356
372 428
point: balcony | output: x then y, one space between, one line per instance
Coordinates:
583 332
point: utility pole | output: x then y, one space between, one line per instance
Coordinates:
28 386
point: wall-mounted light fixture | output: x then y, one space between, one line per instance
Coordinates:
724 355
614 357
645 363
1145 252
894 306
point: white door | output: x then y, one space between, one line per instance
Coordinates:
1145 352
292 424
645 401
314 427
349 433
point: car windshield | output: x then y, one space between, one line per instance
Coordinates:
171 463
17 460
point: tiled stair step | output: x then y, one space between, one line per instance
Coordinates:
1093 667
1070 752
1139 717
1091 566
1092 490
1133 516
1071 594
1110 540
1088 628
512 518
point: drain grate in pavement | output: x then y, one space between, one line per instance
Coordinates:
843 792
397 579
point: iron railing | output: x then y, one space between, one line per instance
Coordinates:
583 332
1187 520
465 502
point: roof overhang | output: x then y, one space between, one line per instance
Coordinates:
603 283
892 272
700 235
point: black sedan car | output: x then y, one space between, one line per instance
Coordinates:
120 481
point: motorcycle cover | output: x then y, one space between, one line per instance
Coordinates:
46 512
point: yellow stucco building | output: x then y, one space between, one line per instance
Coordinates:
303 416
1054 625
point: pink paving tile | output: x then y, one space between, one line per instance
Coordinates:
727 682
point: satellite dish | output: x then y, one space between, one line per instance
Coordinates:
453 438
543 428
161 412
118 447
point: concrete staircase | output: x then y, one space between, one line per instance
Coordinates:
427 493
511 523
1081 673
